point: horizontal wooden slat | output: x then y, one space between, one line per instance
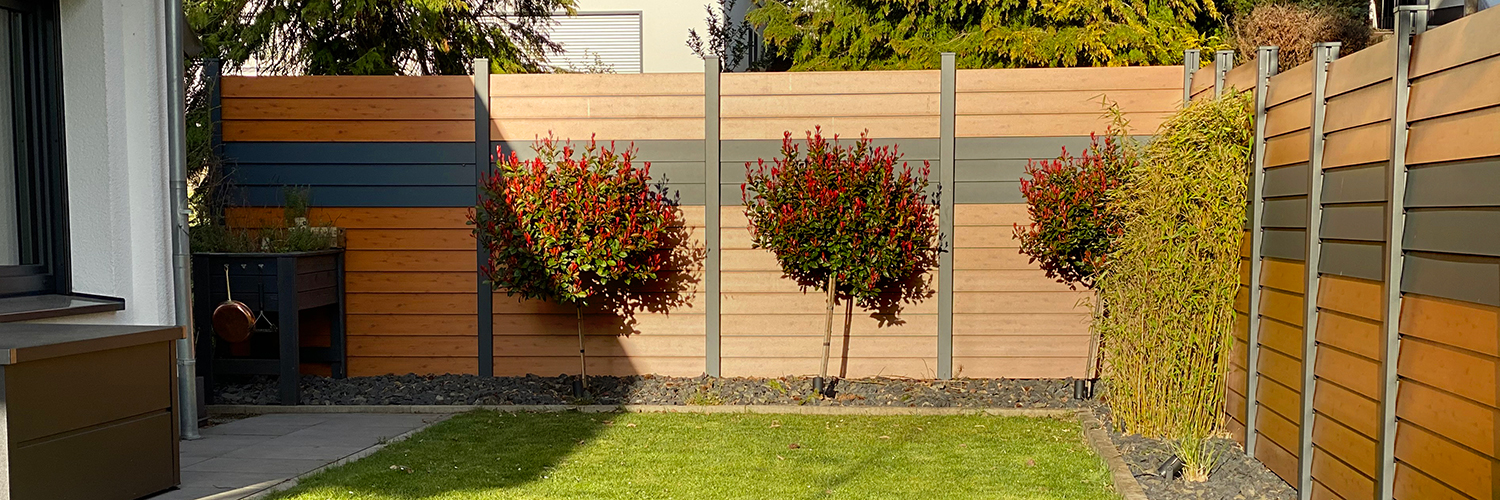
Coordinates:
861 324
1290 116
1054 102
796 303
1279 460
348 109
1353 296
426 346
1469 38
1340 478
1460 324
1241 77
1454 137
1281 306
830 82
441 282
349 130
1360 107
581 129
1283 338
998 236
1042 125
1463 373
1281 400
411 260
915 367
510 366
1283 275
1019 367
1356 373
1280 430
347 86
1465 470
1412 484
410 239
1351 333
508 108
1346 444
1005 281
990 214
680 322
1021 346
1281 368
1357 146
1290 84
371 366
406 324
412 303
1021 302
1466 422
915 106
1453 91
565 345
801 346
1352 410
1288 149
587 84
1360 69
1090 79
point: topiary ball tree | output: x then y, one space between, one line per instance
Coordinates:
844 219
577 227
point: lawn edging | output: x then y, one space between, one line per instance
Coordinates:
291 482
1098 438
762 409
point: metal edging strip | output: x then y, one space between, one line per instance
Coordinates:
1411 20
483 164
946 173
1265 68
711 203
1323 56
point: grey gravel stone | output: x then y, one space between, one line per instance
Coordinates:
1235 477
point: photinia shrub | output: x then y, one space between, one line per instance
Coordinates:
846 212
573 226
1072 225
580 227
846 220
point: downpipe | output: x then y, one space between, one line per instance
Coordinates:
187 397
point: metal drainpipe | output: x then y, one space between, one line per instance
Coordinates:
187 389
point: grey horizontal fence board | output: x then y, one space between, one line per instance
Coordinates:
686 194
652 150
1286 244
739 151
1010 148
1011 170
1458 184
1364 260
1290 180
350 153
1473 231
987 192
281 174
362 196
1457 277
1364 222
1286 213
1362 184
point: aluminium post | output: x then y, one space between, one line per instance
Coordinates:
946 168
483 165
1223 62
1190 65
1411 20
711 193
1266 65
1323 56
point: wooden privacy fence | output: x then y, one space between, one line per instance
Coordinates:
392 159
1376 359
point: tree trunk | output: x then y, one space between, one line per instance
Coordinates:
827 329
583 376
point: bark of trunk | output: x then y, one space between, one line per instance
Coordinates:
827 329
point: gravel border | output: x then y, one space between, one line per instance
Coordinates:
1237 476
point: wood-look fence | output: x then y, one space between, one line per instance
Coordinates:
392 159
1377 364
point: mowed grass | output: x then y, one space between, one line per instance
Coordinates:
490 455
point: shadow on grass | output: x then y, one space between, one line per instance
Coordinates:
462 457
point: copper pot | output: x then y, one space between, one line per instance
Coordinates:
233 320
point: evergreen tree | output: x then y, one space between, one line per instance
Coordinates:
910 34
376 37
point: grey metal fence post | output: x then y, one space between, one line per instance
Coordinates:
1323 56
946 148
1411 20
1190 65
483 164
711 202
1223 62
1265 61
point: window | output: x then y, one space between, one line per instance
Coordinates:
33 245
598 42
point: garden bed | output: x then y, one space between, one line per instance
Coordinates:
1236 477
655 390
485 454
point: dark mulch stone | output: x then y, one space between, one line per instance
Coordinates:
1236 477
655 390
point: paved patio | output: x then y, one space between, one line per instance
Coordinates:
244 457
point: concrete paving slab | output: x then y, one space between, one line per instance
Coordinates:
247 458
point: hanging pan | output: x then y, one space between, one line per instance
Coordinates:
233 320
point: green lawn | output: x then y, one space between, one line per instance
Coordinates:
488 455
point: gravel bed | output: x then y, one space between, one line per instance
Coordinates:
1236 477
656 390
